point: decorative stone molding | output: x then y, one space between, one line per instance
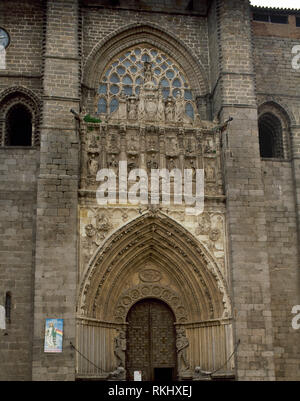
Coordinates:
153 35
172 249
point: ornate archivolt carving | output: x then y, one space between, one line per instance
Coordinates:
167 241
141 291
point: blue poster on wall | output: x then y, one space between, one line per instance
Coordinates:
53 335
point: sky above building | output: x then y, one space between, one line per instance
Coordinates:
276 3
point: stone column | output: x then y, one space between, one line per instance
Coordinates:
56 248
247 235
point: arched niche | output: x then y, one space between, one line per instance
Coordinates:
153 256
21 102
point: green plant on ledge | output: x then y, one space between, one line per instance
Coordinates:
89 119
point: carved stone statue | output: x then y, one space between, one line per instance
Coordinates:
149 84
141 106
210 173
169 110
182 344
120 348
160 107
132 109
179 108
93 164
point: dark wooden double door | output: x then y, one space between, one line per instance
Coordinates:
151 341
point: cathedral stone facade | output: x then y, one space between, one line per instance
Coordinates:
127 87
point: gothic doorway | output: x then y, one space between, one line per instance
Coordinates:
151 341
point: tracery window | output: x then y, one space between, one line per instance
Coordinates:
126 74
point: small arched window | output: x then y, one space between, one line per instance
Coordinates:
8 306
18 126
270 136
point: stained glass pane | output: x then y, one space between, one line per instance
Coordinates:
127 80
176 83
102 88
114 78
188 94
164 82
145 57
166 92
121 70
170 74
114 89
128 90
113 105
127 63
102 106
189 110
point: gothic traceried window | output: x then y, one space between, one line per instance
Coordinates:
126 75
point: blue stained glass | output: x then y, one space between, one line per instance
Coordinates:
182 77
139 81
170 74
102 88
127 63
102 106
108 72
175 91
121 70
145 57
164 56
169 62
164 66
177 83
115 63
127 80
114 78
137 51
137 90
154 53
175 68
133 69
158 59
164 82
114 89
166 92
128 90
133 58
157 71
127 54
189 110
140 65
114 104
188 94
122 58
104 79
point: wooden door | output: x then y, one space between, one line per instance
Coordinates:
151 340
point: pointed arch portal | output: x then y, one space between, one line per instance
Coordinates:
153 258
